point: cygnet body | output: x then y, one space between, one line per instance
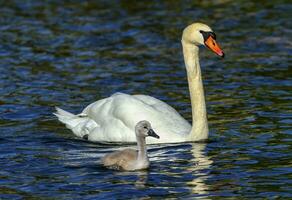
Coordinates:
130 159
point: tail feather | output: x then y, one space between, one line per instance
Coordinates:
80 124
66 118
63 112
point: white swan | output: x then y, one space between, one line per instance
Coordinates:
113 119
130 159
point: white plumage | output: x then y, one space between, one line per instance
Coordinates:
113 119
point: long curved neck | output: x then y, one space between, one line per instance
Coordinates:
199 115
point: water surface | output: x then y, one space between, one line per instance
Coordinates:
71 54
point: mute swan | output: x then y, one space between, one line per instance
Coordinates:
113 119
130 159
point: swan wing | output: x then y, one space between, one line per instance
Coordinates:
117 115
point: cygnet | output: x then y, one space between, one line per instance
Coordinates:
130 159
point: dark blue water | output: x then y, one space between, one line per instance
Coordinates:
71 54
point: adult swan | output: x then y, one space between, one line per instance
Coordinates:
113 119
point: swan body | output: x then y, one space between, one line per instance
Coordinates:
130 159
113 119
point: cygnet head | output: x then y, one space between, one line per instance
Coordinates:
201 34
144 129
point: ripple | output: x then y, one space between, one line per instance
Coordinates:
70 54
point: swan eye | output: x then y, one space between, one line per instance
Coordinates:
145 127
206 35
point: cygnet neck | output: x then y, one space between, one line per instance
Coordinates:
142 150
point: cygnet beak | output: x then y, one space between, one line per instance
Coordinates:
152 134
212 44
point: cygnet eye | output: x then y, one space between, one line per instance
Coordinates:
145 127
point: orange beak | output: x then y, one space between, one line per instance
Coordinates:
212 44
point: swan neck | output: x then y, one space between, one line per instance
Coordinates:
199 129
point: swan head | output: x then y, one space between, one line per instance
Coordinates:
144 129
201 34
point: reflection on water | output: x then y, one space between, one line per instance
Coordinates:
201 169
72 53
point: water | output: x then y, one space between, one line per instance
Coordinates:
71 54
